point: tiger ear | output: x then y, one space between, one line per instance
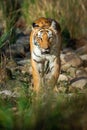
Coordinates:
55 25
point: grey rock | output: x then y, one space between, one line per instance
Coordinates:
62 77
70 59
84 57
72 71
80 82
81 73
82 50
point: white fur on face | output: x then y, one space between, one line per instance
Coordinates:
40 33
36 54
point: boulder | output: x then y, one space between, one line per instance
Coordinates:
79 83
83 57
81 73
62 77
70 59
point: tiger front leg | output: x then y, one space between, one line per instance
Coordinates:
55 71
36 77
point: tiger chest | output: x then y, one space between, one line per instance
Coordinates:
46 67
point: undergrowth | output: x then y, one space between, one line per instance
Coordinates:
71 14
63 112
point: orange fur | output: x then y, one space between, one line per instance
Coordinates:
45 45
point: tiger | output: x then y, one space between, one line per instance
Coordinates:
45 46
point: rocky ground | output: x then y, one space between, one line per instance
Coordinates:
15 69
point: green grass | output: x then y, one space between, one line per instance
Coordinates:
22 110
71 14
61 112
11 13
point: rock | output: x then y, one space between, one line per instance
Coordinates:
84 57
85 69
25 66
6 92
81 73
75 43
81 42
18 49
61 90
81 50
15 50
62 77
62 56
72 71
9 93
80 82
23 62
70 59
26 69
24 42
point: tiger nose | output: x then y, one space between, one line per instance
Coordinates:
46 51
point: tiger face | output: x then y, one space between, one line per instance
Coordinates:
45 44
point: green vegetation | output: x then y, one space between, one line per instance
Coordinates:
62 112
11 13
71 14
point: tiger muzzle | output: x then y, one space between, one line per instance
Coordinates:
45 51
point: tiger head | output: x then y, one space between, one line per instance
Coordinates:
45 37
